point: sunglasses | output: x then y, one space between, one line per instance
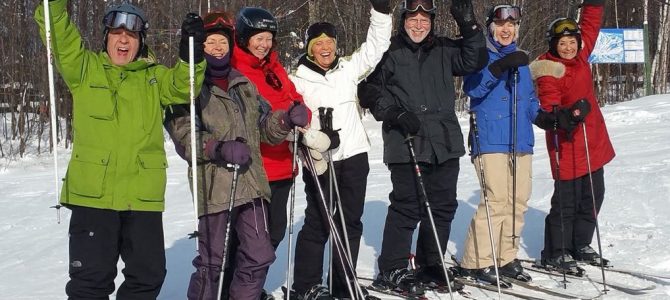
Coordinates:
506 12
414 5
272 80
128 21
563 26
217 20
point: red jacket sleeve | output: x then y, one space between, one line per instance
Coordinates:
549 91
592 18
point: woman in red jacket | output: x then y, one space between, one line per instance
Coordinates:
255 57
565 89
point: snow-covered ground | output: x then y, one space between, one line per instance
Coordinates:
635 219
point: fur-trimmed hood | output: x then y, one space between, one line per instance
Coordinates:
544 67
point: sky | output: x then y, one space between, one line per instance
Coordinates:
634 221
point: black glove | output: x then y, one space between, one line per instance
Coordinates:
405 120
594 2
382 6
464 16
192 26
334 137
510 61
559 117
580 110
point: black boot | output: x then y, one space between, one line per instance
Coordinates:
514 270
561 263
401 281
486 275
432 277
588 255
266 296
317 292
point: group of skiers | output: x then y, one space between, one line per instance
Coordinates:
253 121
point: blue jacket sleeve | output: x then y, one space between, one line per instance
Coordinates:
480 84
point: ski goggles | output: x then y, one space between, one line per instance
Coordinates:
217 20
117 19
412 6
506 12
316 29
563 26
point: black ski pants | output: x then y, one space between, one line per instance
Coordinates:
575 200
98 237
351 174
407 209
277 213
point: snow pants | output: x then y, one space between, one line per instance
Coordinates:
253 256
98 237
351 175
499 189
407 209
277 217
575 200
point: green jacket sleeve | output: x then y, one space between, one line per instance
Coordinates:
69 54
176 85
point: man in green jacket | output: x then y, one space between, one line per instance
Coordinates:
115 182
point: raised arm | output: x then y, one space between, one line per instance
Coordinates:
376 43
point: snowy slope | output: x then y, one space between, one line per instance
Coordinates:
634 221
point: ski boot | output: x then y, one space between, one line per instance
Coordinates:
588 255
432 277
485 275
317 292
401 281
266 296
514 270
562 263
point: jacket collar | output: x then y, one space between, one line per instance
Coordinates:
310 64
243 58
139 64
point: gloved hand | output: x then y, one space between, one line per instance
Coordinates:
333 136
316 140
580 110
234 151
464 16
295 116
510 61
405 120
594 2
560 118
192 26
382 6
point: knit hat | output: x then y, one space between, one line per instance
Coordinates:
319 31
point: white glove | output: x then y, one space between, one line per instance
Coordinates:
315 139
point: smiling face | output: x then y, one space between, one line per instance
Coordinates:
567 47
260 44
323 51
217 45
504 32
122 46
417 25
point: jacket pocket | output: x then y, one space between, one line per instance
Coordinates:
87 171
100 102
152 178
498 131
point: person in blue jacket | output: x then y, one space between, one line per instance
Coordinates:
492 97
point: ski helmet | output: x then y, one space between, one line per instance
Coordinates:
252 20
563 27
128 16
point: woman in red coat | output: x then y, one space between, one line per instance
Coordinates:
574 120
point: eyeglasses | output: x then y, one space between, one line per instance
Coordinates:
506 12
217 20
128 21
414 5
563 26
272 80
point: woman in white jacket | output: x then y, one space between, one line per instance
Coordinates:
329 82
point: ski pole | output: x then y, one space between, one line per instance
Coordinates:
514 141
560 198
294 167
337 239
226 239
194 160
482 182
52 103
595 209
426 202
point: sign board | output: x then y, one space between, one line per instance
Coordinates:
618 46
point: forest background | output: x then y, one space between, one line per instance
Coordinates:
24 96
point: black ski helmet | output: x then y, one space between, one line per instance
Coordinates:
252 20
127 16
559 28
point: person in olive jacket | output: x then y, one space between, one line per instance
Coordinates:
412 92
115 182
232 121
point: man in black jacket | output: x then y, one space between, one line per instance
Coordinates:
412 92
